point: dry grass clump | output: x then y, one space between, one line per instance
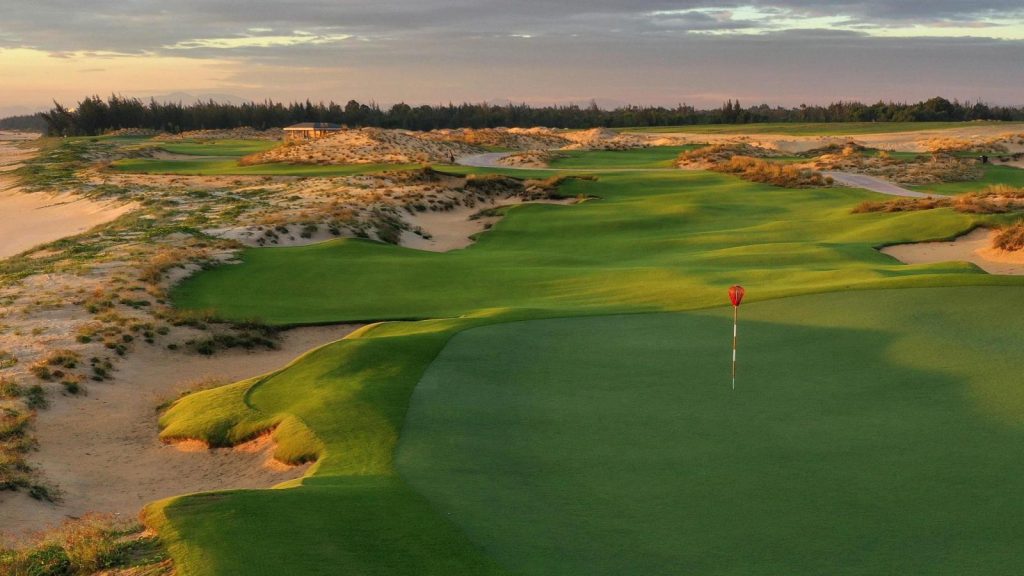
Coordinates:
902 205
710 156
90 545
529 159
846 149
995 199
931 169
758 170
951 145
1010 238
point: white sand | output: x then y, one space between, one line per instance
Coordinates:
975 247
102 449
27 220
452 229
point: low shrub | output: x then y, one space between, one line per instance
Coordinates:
763 171
1010 238
88 545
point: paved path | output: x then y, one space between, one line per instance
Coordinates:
876 185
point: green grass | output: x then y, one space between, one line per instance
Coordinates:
619 439
551 438
816 128
354 514
871 433
654 241
219 147
655 157
200 167
994 174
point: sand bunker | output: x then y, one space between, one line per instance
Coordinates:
102 449
975 247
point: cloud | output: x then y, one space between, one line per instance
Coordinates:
297 38
644 51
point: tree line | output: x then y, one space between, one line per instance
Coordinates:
26 122
94 115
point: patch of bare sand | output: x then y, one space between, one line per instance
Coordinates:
102 449
975 247
454 229
27 220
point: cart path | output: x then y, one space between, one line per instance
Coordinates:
875 184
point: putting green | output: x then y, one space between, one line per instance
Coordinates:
871 433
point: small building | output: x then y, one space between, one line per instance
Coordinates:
309 131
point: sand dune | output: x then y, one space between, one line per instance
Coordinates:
27 220
102 449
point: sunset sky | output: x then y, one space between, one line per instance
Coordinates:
435 51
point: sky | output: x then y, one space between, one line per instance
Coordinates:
657 52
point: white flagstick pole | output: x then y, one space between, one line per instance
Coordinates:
735 322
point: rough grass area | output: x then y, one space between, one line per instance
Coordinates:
993 199
87 546
767 172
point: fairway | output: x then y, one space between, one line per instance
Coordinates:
652 241
871 433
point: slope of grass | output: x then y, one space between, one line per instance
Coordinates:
219 147
220 167
993 175
654 241
344 403
871 433
817 128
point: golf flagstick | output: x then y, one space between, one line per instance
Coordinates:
735 323
735 296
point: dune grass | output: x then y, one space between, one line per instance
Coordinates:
654 241
817 128
220 167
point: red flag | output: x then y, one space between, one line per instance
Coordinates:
736 295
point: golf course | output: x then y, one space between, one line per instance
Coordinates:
555 398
